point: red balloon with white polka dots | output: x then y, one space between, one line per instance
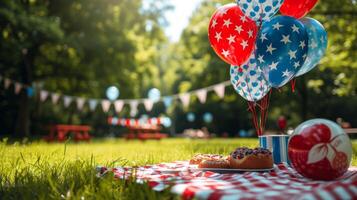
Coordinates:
232 34
320 149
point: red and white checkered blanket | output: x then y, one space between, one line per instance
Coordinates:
281 183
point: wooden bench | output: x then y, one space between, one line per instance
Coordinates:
145 133
60 132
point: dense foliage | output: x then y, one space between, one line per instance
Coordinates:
81 47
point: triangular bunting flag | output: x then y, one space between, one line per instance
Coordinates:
167 101
148 104
118 105
93 104
202 95
185 99
80 103
43 95
55 97
106 105
7 83
67 101
133 107
18 87
219 89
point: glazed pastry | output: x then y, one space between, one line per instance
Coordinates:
214 163
198 158
245 158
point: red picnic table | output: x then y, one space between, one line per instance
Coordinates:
60 132
145 132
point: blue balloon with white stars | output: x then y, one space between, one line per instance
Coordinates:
282 46
317 44
260 10
248 80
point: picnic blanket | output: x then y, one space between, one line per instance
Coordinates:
281 183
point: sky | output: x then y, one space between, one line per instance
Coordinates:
179 17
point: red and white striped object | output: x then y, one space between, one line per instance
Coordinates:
281 183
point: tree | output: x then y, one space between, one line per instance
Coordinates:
77 48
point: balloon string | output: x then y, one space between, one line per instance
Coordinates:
264 111
254 113
293 82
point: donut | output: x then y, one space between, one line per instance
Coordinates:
214 163
246 158
198 158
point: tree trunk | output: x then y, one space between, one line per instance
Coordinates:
23 114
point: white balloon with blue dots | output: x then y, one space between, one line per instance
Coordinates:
260 10
248 80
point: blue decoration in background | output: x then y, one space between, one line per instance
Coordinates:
248 80
154 95
317 44
282 46
30 91
167 101
260 10
207 117
191 117
166 121
112 93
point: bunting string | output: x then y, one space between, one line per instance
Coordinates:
118 105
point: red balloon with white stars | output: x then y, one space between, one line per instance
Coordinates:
232 34
320 149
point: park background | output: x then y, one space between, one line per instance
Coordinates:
82 47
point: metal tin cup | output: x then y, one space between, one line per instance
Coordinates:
278 145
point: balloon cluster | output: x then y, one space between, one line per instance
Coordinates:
264 50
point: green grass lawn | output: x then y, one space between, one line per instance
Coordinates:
66 171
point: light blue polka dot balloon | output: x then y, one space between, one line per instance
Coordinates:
248 80
260 10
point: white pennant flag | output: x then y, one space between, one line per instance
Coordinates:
148 104
106 105
202 95
67 101
18 87
185 99
80 103
118 105
93 104
55 97
219 89
133 107
7 83
43 95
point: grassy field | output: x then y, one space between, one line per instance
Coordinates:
39 170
